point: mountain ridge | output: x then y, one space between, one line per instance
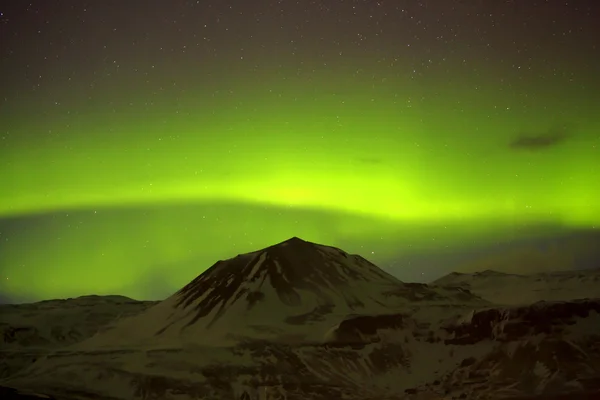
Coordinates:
508 288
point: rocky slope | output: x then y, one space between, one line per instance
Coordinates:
305 321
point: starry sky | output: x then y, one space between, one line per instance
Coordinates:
142 141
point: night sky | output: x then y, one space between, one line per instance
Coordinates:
142 141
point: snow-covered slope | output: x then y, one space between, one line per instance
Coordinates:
303 321
532 352
502 288
53 323
29 331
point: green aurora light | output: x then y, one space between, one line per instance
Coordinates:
194 179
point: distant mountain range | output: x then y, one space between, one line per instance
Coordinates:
300 320
516 289
554 250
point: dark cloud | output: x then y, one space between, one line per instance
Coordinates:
541 140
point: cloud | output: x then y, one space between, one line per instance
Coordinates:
542 140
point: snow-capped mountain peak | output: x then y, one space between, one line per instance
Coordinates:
262 293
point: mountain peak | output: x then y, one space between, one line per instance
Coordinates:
293 282
286 267
263 294
294 242
295 239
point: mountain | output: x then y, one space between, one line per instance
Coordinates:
504 288
292 291
300 320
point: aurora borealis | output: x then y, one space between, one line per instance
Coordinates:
143 142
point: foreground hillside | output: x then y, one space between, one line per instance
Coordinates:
300 320
30 331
